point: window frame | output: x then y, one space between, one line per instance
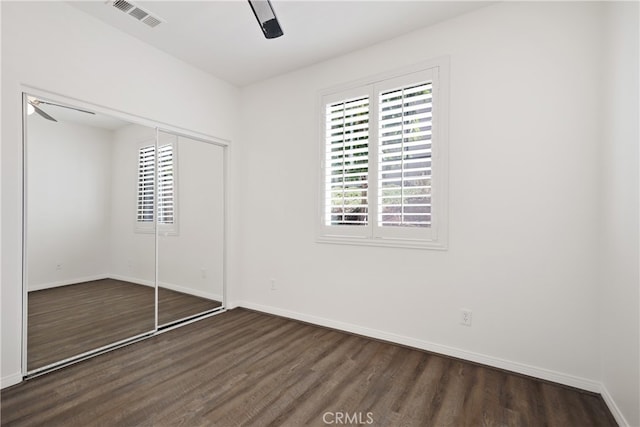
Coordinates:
433 237
149 226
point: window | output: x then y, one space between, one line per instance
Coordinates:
146 197
384 161
347 162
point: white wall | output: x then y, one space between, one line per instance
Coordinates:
77 56
620 279
524 134
69 200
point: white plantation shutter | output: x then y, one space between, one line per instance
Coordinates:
404 156
384 149
146 171
347 162
166 187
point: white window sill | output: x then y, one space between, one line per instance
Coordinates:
151 230
384 242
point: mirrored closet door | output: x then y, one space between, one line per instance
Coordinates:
190 227
109 259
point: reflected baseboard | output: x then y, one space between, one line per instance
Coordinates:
197 293
67 282
171 286
136 280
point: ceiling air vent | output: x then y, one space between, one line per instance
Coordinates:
151 21
137 12
123 5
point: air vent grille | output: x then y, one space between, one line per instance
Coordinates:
151 21
137 12
123 5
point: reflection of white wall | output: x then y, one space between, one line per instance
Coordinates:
191 260
82 207
133 255
198 244
69 169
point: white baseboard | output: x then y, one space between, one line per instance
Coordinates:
172 286
135 280
185 290
10 380
41 286
521 368
611 404
233 304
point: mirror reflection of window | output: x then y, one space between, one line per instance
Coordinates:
167 188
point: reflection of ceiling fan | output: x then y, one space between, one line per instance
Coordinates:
35 104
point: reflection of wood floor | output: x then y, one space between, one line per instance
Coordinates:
73 319
243 368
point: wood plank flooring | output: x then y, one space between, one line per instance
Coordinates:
69 320
174 305
244 368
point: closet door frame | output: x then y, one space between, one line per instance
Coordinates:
158 127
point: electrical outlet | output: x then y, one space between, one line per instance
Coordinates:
59 266
203 273
465 317
273 284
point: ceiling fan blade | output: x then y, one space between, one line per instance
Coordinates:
42 113
266 17
65 106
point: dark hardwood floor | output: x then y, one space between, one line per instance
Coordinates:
246 368
70 320
174 305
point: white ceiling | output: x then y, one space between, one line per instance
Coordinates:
223 37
